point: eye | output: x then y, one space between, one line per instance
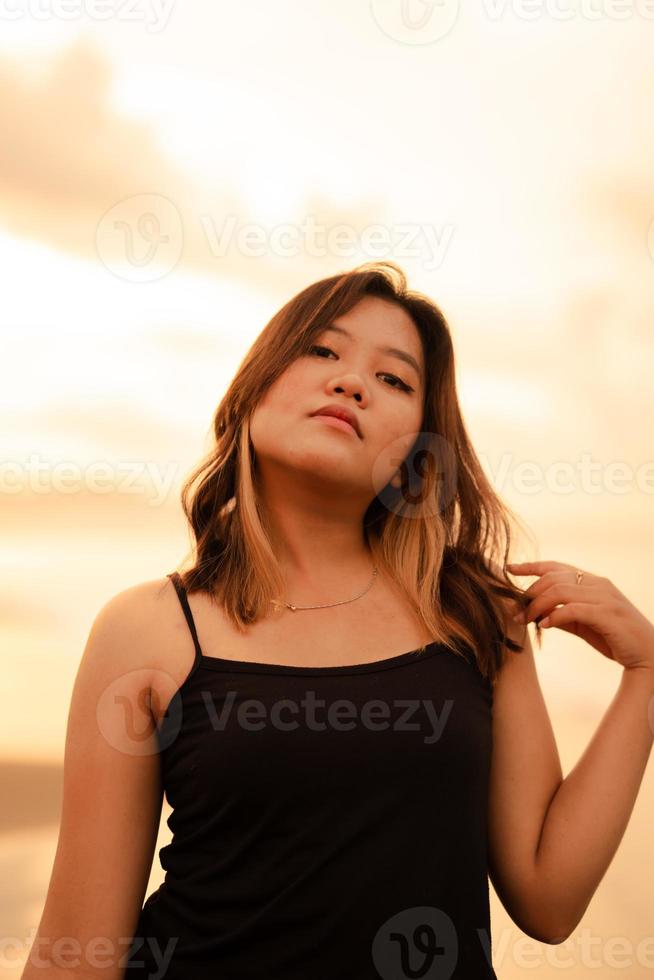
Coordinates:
400 386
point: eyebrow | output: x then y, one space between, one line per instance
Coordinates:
401 355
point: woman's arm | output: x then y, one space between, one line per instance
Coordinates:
111 802
589 812
552 839
525 774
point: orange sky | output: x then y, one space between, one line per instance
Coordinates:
169 177
508 166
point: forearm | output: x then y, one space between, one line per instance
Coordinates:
589 812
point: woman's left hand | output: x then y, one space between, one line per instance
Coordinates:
595 610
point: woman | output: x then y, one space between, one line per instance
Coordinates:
334 696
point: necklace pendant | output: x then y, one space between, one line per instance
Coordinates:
292 608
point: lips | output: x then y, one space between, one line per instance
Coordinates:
340 412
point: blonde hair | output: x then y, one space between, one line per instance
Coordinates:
445 558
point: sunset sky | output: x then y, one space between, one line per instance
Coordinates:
509 167
505 163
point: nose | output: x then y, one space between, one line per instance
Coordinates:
352 386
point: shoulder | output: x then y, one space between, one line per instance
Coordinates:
133 624
135 606
140 636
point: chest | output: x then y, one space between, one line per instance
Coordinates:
374 629
390 734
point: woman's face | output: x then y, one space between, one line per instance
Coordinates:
351 370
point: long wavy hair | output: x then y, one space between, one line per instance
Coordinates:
448 557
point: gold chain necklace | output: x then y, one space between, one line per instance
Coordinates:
325 605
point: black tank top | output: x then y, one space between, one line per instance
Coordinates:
328 823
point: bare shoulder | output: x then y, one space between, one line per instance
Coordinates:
142 594
143 629
137 614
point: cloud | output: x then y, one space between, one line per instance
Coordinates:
71 158
68 157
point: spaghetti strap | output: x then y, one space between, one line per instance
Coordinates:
183 598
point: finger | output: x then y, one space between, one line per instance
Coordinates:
558 593
546 581
579 612
558 587
538 567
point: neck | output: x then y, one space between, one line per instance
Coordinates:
320 546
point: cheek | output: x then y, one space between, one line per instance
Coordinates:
396 436
287 394
278 400
279 412
400 422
